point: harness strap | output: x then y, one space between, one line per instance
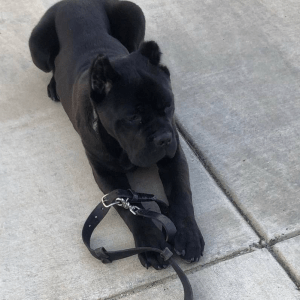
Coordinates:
134 198
126 198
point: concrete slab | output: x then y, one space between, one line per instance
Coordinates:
251 276
17 71
47 191
224 230
235 71
289 254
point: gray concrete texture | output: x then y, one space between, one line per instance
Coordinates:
237 62
289 254
242 277
235 73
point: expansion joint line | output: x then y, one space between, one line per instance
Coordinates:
209 168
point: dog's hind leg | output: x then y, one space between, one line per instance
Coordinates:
127 24
51 90
44 46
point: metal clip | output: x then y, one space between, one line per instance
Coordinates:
116 202
121 202
126 204
133 209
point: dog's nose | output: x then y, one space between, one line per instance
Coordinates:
163 139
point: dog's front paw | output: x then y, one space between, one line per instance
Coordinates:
188 242
151 237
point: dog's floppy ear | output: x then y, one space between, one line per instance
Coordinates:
151 51
102 77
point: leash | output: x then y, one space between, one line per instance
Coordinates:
129 199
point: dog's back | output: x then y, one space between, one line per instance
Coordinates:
83 32
73 32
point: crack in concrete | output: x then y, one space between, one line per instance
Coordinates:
262 242
285 237
188 139
285 267
189 271
251 248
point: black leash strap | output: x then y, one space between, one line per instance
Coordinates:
129 199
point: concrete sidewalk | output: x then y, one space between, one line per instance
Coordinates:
235 69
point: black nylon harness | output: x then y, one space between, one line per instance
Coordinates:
129 199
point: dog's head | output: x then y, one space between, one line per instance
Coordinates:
133 99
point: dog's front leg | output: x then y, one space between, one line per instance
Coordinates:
144 231
174 173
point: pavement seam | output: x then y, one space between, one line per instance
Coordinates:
285 266
262 242
288 236
253 247
200 156
207 166
189 271
200 267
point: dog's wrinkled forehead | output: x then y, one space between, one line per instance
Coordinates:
131 80
151 92
147 83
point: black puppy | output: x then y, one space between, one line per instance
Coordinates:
119 99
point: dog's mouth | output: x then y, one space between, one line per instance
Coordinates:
148 157
149 161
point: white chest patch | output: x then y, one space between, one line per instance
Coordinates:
95 121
